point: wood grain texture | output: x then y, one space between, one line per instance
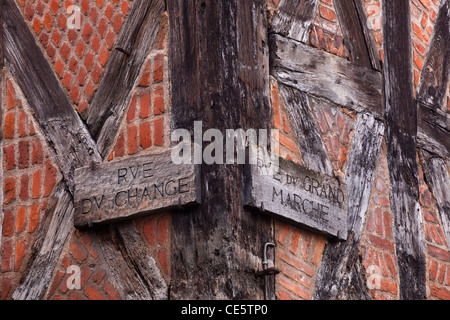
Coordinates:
305 129
52 235
433 121
357 36
341 274
61 126
219 75
134 270
401 131
114 93
322 74
294 18
438 179
433 129
435 73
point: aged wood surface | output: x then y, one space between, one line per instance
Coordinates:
433 122
433 130
112 97
357 36
435 73
293 19
52 236
133 187
305 129
219 70
62 128
438 180
340 273
323 74
401 128
135 271
298 195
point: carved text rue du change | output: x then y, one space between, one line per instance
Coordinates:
136 195
132 187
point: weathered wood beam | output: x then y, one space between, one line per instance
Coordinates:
52 235
401 131
61 126
433 122
134 269
114 93
438 179
322 74
340 272
357 36
305 128
220 76
433 130
435 73
294 18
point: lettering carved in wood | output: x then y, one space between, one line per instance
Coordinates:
300 196
133 187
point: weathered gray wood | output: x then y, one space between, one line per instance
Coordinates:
438 180
134 270
433 122
294 18
114 93
61 126
368 36
401 128
435 73
322 74
219 74
433 130
298 195
133 187
305 128
130 285
143 262
52 236
341 264
357 36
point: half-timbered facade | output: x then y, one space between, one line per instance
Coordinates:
94 207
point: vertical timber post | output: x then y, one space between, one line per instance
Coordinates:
401 133
219 69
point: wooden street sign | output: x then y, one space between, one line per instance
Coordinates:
133 187
298 195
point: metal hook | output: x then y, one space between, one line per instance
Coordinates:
265 263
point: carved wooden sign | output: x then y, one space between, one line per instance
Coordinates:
298 195
133 187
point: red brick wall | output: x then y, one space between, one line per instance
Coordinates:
378 244
29 178
144 129
79 59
